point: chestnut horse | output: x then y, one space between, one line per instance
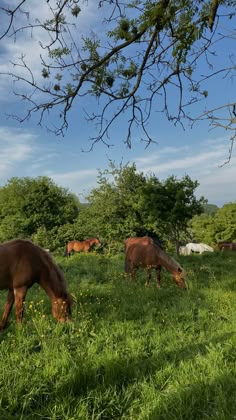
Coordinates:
21 265
225 245
144 252
81 246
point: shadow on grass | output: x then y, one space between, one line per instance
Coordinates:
110 299
122 372
198 401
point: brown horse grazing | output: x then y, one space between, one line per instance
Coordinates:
143 252
81 246
225 245
144 240
21 265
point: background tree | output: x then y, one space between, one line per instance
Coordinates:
31 205
203 229
127 203
114 204
219 227
153 51
170 205
210 209
225 220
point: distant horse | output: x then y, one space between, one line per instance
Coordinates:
81 246
199 248
21 265
183 250
143 252
224 245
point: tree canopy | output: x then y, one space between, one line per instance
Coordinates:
220 226
128 203
31 205
150 53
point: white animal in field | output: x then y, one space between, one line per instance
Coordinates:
199 248
183 250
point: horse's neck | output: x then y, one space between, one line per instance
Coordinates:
168 262
54 288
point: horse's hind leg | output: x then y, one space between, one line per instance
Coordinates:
7 309
127 267
20 294
158 277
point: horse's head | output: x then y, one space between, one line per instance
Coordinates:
97 242
61 308
179 278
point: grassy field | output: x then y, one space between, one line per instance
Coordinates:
131 352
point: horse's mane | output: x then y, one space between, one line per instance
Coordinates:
91 239
168 262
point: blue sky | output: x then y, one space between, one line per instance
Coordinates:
28 150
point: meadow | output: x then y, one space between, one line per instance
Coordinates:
131 352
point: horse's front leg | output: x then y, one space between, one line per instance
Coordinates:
20 293
7 309
158 277
148 276
133 274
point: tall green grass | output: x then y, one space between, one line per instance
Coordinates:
131 352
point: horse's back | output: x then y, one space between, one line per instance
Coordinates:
79 246
21 263
143 240
82 246
227 245
206 247
142 254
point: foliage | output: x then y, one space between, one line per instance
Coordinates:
151 58
114 204
225 220
131 352
219 227
202 228
34 206
210 208
127 203
171 204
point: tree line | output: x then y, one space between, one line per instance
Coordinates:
124 203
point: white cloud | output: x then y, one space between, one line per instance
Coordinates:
17 146
219 186
216 183
28 43
23 154
162 153
80 181
75 175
